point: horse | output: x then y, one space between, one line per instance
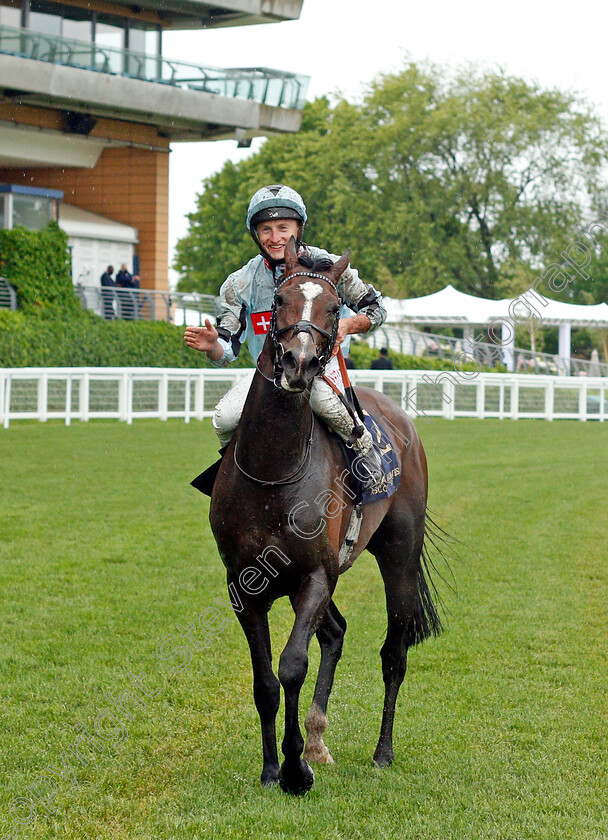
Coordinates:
280 510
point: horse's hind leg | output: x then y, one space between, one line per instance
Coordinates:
330 635
266 688
399 562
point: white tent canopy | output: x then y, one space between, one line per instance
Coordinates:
449 307
532 309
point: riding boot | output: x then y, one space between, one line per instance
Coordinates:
368 463
328 405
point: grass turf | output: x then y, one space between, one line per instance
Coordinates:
500 727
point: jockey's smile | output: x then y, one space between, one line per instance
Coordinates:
274 235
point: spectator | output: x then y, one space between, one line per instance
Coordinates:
349 363
124 279
129 302
382 362
107 296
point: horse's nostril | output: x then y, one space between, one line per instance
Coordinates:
289 362
312 368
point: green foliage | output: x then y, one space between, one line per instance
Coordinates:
36 263
89 341
430 180
592 288
35 341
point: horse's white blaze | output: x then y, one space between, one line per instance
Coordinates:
310 292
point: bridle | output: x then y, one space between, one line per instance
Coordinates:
302 326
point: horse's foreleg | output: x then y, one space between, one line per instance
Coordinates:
309 604
330 635
266 688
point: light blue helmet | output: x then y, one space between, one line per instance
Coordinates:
275 202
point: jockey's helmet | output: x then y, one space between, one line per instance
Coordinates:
275 202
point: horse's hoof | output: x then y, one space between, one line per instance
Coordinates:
383 760
270 776
297 777
318 753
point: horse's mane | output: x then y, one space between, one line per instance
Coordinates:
315 263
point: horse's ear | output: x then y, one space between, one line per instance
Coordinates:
340 266
291 255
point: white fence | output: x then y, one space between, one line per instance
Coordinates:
128 394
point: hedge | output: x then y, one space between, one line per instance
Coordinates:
89 341
37 264
51 329
47 339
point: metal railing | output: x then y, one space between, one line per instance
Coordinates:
259 84
8 296
127 394
147 304
415 343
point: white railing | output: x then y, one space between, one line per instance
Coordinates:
128 394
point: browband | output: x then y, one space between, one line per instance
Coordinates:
309 274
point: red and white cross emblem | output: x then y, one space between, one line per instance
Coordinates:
261 322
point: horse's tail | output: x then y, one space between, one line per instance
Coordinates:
429 603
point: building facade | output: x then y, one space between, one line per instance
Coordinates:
89 105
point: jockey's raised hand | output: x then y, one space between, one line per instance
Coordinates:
204 339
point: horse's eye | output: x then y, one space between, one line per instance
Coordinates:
280 300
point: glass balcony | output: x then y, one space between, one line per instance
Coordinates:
258 84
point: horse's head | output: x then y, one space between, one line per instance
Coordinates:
305 316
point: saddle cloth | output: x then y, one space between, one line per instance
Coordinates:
390 464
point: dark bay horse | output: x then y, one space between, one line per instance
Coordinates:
280 510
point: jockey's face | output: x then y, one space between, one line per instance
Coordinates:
275 234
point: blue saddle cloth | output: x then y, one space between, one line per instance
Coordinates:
390 464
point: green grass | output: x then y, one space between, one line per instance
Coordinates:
501 725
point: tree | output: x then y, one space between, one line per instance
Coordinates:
475 180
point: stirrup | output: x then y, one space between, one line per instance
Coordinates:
369 469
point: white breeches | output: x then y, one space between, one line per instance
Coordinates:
323 401
229 409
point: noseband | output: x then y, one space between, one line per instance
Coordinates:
302 326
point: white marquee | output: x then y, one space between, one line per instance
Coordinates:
532 309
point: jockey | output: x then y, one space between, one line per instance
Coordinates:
275 214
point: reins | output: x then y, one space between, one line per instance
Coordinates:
293 477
